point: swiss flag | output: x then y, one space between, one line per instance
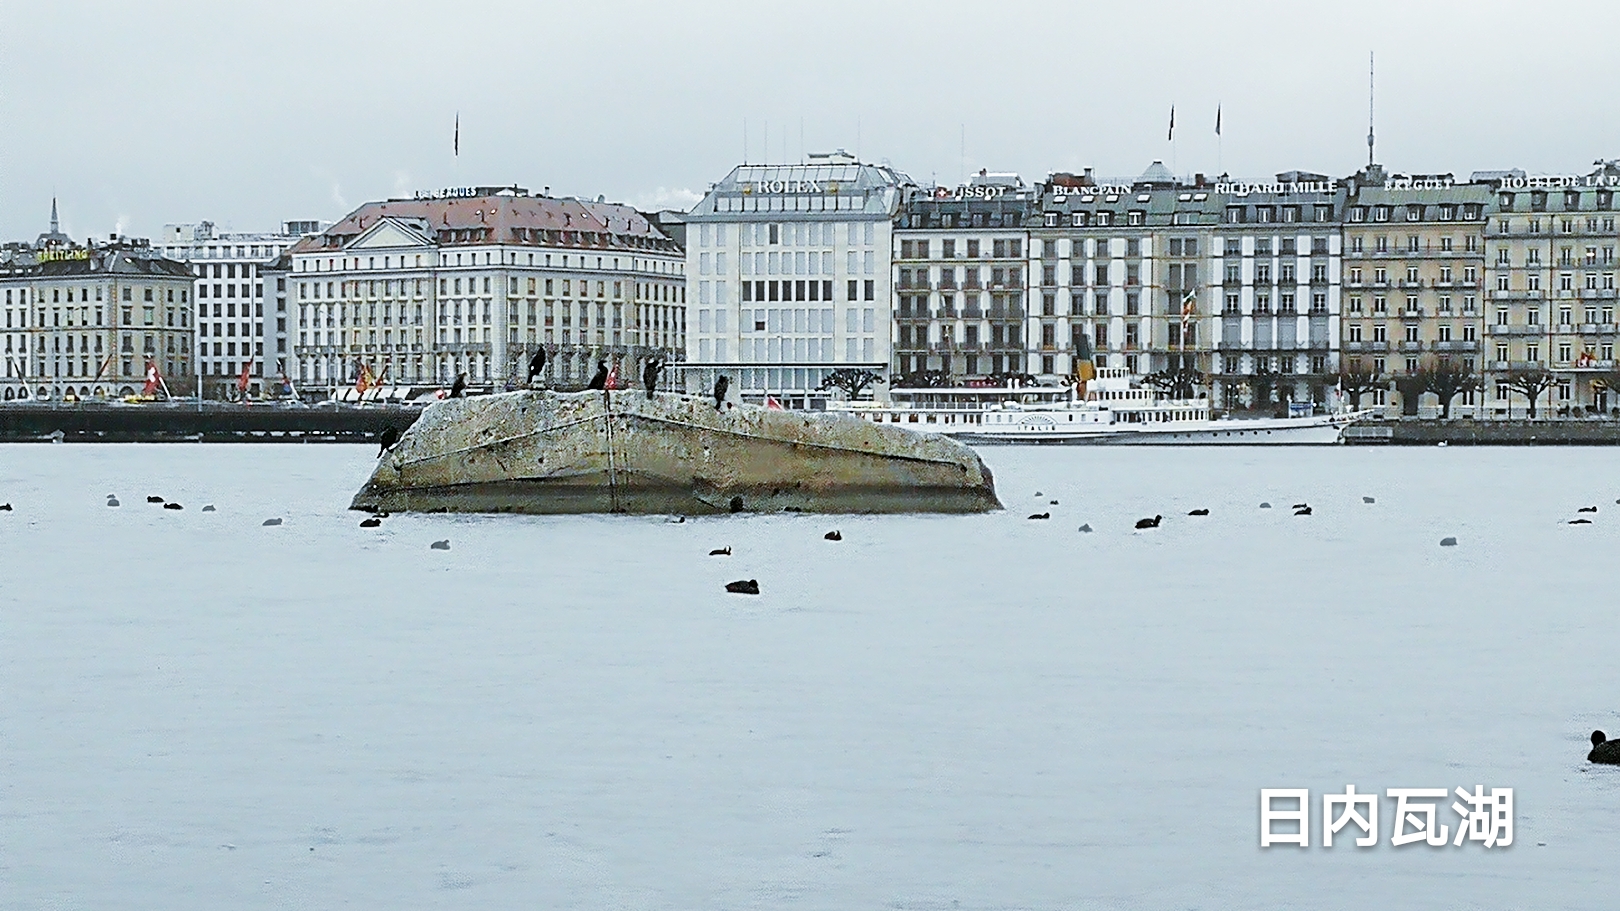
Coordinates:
772 404
152 378
242 381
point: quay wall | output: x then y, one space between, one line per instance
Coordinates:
157 423
1469 432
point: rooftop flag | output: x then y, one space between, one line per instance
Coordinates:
1172 133
1217 120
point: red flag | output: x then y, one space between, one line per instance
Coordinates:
242 381
613 378
152 378
772 404
365 380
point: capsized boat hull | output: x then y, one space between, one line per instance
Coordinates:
589 452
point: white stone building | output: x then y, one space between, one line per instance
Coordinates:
789 271
473 281
237 320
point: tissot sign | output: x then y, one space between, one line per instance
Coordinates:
967 192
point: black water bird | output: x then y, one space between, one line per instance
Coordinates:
5 507
1604 750
1265 505
1587 509
736 504
832 536
165 506
440 545
154 499
743 587
1039 494
1301 506
387 439
372 522
1303 511
649 375
536 365
1580 521
1368 500
721 551
1149 523
112 501
209 508
1448 542
1085 528
1052 502
599 381
1199 512
1041 515
459 386
271 522
721 383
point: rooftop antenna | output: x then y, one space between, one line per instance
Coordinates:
745 140
961 163
1369 109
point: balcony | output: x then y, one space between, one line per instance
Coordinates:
1499 329
1455 346
1359 347
1413 313
1596 329
1411 347
1412 285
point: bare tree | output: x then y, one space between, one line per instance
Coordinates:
1179 382
1446 380
1411 387
1356 382
923 379
1529 382
851 380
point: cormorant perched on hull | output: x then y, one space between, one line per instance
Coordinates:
459 386
599 381
387 439
649 375
536 365
720 386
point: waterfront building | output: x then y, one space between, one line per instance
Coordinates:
86 320
960 278
1119 267
1276 264
790 265
1550 267
241 320
474 280
1414 262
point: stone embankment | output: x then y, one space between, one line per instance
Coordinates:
1469 432
547 452
212 423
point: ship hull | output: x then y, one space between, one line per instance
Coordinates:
619 452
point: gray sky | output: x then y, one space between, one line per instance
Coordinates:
140 114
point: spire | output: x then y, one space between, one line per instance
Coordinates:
54 225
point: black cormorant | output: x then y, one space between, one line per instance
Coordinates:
387 439
721 383
1149 523
599 381
536 365
459 386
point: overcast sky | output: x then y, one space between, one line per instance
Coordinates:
137 115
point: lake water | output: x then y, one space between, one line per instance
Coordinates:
199 712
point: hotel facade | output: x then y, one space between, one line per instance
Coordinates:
474 281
